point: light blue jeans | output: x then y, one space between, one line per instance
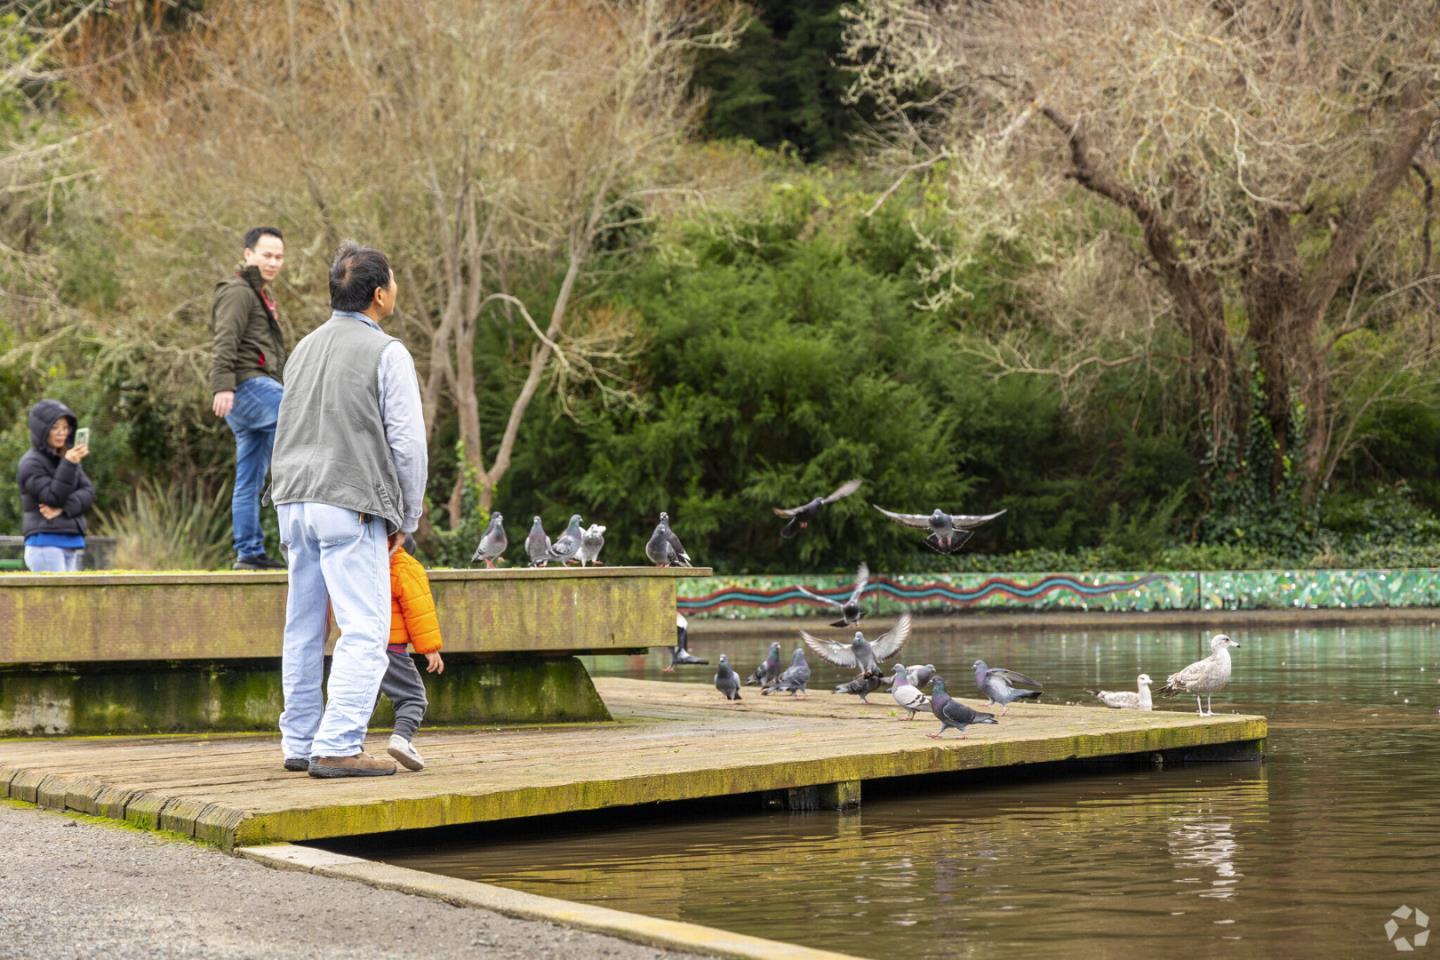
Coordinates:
336 562
252 420
51 559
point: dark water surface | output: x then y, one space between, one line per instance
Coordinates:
1305 855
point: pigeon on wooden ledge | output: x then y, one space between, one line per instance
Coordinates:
566 547
795 678
997 683
727 681
537 543
493 542
1208 676
951 713
663 548
591 543
801 516
768 670
906 694
862 686
1137 699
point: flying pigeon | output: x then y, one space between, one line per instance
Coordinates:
850 612
795 678
537 544
768 670
567 546
948 531
907 696
862 686
663 547
860 654
995 683
951 712
1138 699
492 542
591 544
918 676
727 681
801 516
1208 676
680 655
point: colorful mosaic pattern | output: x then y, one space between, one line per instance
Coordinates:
743 598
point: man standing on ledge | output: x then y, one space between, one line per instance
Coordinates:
246 371
348 478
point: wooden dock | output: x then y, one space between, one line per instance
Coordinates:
671 742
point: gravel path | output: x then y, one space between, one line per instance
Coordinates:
76 889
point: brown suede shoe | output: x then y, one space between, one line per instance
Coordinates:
360 765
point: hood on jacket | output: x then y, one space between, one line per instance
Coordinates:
42 417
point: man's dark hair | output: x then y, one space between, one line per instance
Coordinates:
355 275
253 235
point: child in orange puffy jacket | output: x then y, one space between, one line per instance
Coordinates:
413 623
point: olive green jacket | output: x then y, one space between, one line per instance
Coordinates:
248 339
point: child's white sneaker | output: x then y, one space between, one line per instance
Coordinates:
405 753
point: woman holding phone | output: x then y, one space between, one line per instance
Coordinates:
54 490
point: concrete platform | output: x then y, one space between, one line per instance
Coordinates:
672 742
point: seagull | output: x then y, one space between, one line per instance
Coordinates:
492 542
567 546
795 678
680 655
1126 699
1208 676
727 681
862 686
801 516
663 548
850 612
995 683
591 543
768 670
948 531
537 544
907 696
860 654
951 712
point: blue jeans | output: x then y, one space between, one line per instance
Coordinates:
252 420
336 562
51 560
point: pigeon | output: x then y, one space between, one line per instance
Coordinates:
537 544
591 544
1138 699
862 686
663 548
1208 676
567 546
492 542
795 678
850 612
948 531
909 697
860 654
680 655
995 683
918 676
727 681
768 670
951 712
801 516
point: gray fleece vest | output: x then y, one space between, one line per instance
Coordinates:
330 442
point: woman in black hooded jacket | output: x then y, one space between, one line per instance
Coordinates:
54 490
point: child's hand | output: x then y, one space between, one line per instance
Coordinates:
434 663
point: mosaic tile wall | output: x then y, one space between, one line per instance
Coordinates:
741 598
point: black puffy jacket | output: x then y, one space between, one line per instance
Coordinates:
50 479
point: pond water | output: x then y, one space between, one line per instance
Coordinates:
1305 855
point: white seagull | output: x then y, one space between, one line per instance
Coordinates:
1138 699
1208 676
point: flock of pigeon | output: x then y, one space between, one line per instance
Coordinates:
948 533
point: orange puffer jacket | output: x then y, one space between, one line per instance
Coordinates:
412 607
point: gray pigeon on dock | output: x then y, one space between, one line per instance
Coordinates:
493 542
948 531
727 681
795 678
768 670
801 516
862 686
537 544
997 684
663 548
850 611
566 547
906 694
1137 699
680 655
861 654
951 712
591 544
919 677
1208 676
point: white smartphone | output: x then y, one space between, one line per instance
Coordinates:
82 437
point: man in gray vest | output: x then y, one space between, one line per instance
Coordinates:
348 478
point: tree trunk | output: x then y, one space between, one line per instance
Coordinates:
1273 300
